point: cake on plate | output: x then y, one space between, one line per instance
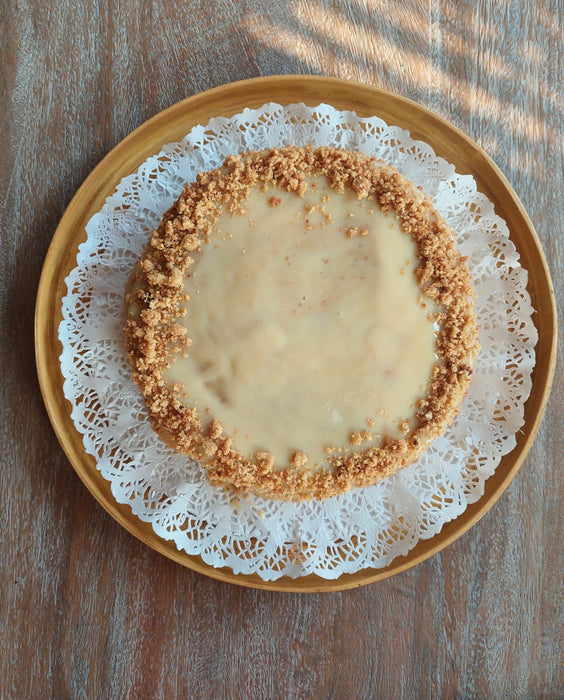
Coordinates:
301 323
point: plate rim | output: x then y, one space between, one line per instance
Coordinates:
61 258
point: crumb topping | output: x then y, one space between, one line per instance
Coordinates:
154 334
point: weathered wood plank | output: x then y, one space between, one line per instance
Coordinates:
86 610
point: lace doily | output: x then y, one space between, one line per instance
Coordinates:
364 528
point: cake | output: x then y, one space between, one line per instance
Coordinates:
301 323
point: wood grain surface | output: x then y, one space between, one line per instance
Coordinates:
88 611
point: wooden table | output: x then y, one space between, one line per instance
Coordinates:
86 610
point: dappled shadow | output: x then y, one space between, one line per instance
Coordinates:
476 70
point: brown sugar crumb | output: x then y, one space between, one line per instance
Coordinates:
353 231
356 439
265 460
158 300
210 448
215 429
299 459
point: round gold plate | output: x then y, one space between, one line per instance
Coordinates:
172 125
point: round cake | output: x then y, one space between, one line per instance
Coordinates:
301 323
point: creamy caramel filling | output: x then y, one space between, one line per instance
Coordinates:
307 325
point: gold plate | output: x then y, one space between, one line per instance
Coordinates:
172 125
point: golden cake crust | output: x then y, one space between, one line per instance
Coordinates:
158 294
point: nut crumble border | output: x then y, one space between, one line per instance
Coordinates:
154 334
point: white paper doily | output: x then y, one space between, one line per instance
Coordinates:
367 527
